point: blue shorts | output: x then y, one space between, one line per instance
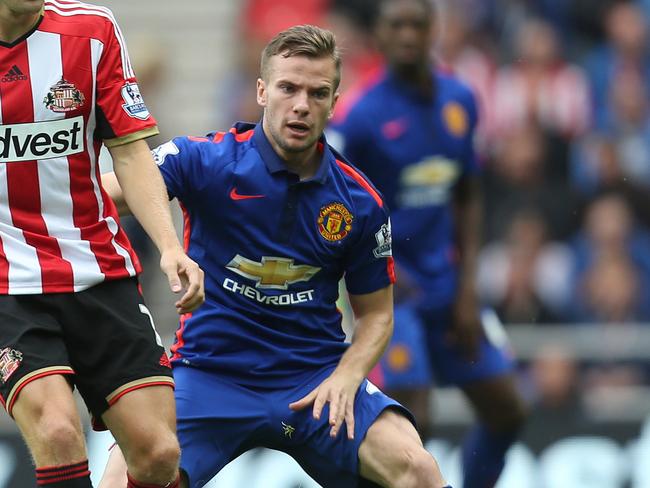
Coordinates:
218 420
419 351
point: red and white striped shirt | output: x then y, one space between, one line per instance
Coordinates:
65 86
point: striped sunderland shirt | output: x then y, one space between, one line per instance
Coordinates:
66 87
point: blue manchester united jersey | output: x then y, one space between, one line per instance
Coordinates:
416 149
273 249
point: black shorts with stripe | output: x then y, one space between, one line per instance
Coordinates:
102 337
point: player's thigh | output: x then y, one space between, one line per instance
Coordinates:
392 428
115 351
142 418
497 401
47 416
334 462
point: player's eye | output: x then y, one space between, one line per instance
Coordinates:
416 24
321 94
287 88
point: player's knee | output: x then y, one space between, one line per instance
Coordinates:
417 469
64 432
156 460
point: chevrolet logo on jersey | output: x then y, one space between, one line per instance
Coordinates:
272 272
428 183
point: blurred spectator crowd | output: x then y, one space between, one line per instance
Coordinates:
563 88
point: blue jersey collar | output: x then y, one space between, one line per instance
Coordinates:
275 163
399 85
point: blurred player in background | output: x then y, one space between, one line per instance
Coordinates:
411 133
70 309
276 218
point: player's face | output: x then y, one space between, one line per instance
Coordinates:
21 7
404 33
298 97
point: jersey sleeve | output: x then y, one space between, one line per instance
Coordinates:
122 115
189 165
369 262
179 161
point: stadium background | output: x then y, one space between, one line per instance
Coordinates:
563 87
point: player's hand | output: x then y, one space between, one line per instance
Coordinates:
339 390
466 329
183 274
405 288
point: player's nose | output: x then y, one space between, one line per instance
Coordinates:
301 103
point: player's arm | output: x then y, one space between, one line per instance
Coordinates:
373 328
468 212
144 192
373 317
114 190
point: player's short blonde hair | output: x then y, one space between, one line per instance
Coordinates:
302 40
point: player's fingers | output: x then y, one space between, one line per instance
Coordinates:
190 294
172 277
304 401
349 418
194 277
189 306
340 415
319 403
194 296
334 408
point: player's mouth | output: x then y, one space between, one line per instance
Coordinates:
299 129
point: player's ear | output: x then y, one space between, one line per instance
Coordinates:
337 94
261 92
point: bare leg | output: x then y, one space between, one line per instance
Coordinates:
144 424
406 464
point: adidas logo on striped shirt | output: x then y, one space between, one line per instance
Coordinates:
14 74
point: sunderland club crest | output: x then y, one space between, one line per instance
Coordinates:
10 359
63 97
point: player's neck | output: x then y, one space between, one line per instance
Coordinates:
305 164
13 26
418 77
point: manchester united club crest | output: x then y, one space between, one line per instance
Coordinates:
63 97
456 119
10 359
334 222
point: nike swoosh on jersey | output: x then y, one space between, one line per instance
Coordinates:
236 196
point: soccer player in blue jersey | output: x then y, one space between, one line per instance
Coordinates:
275 217
411 132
